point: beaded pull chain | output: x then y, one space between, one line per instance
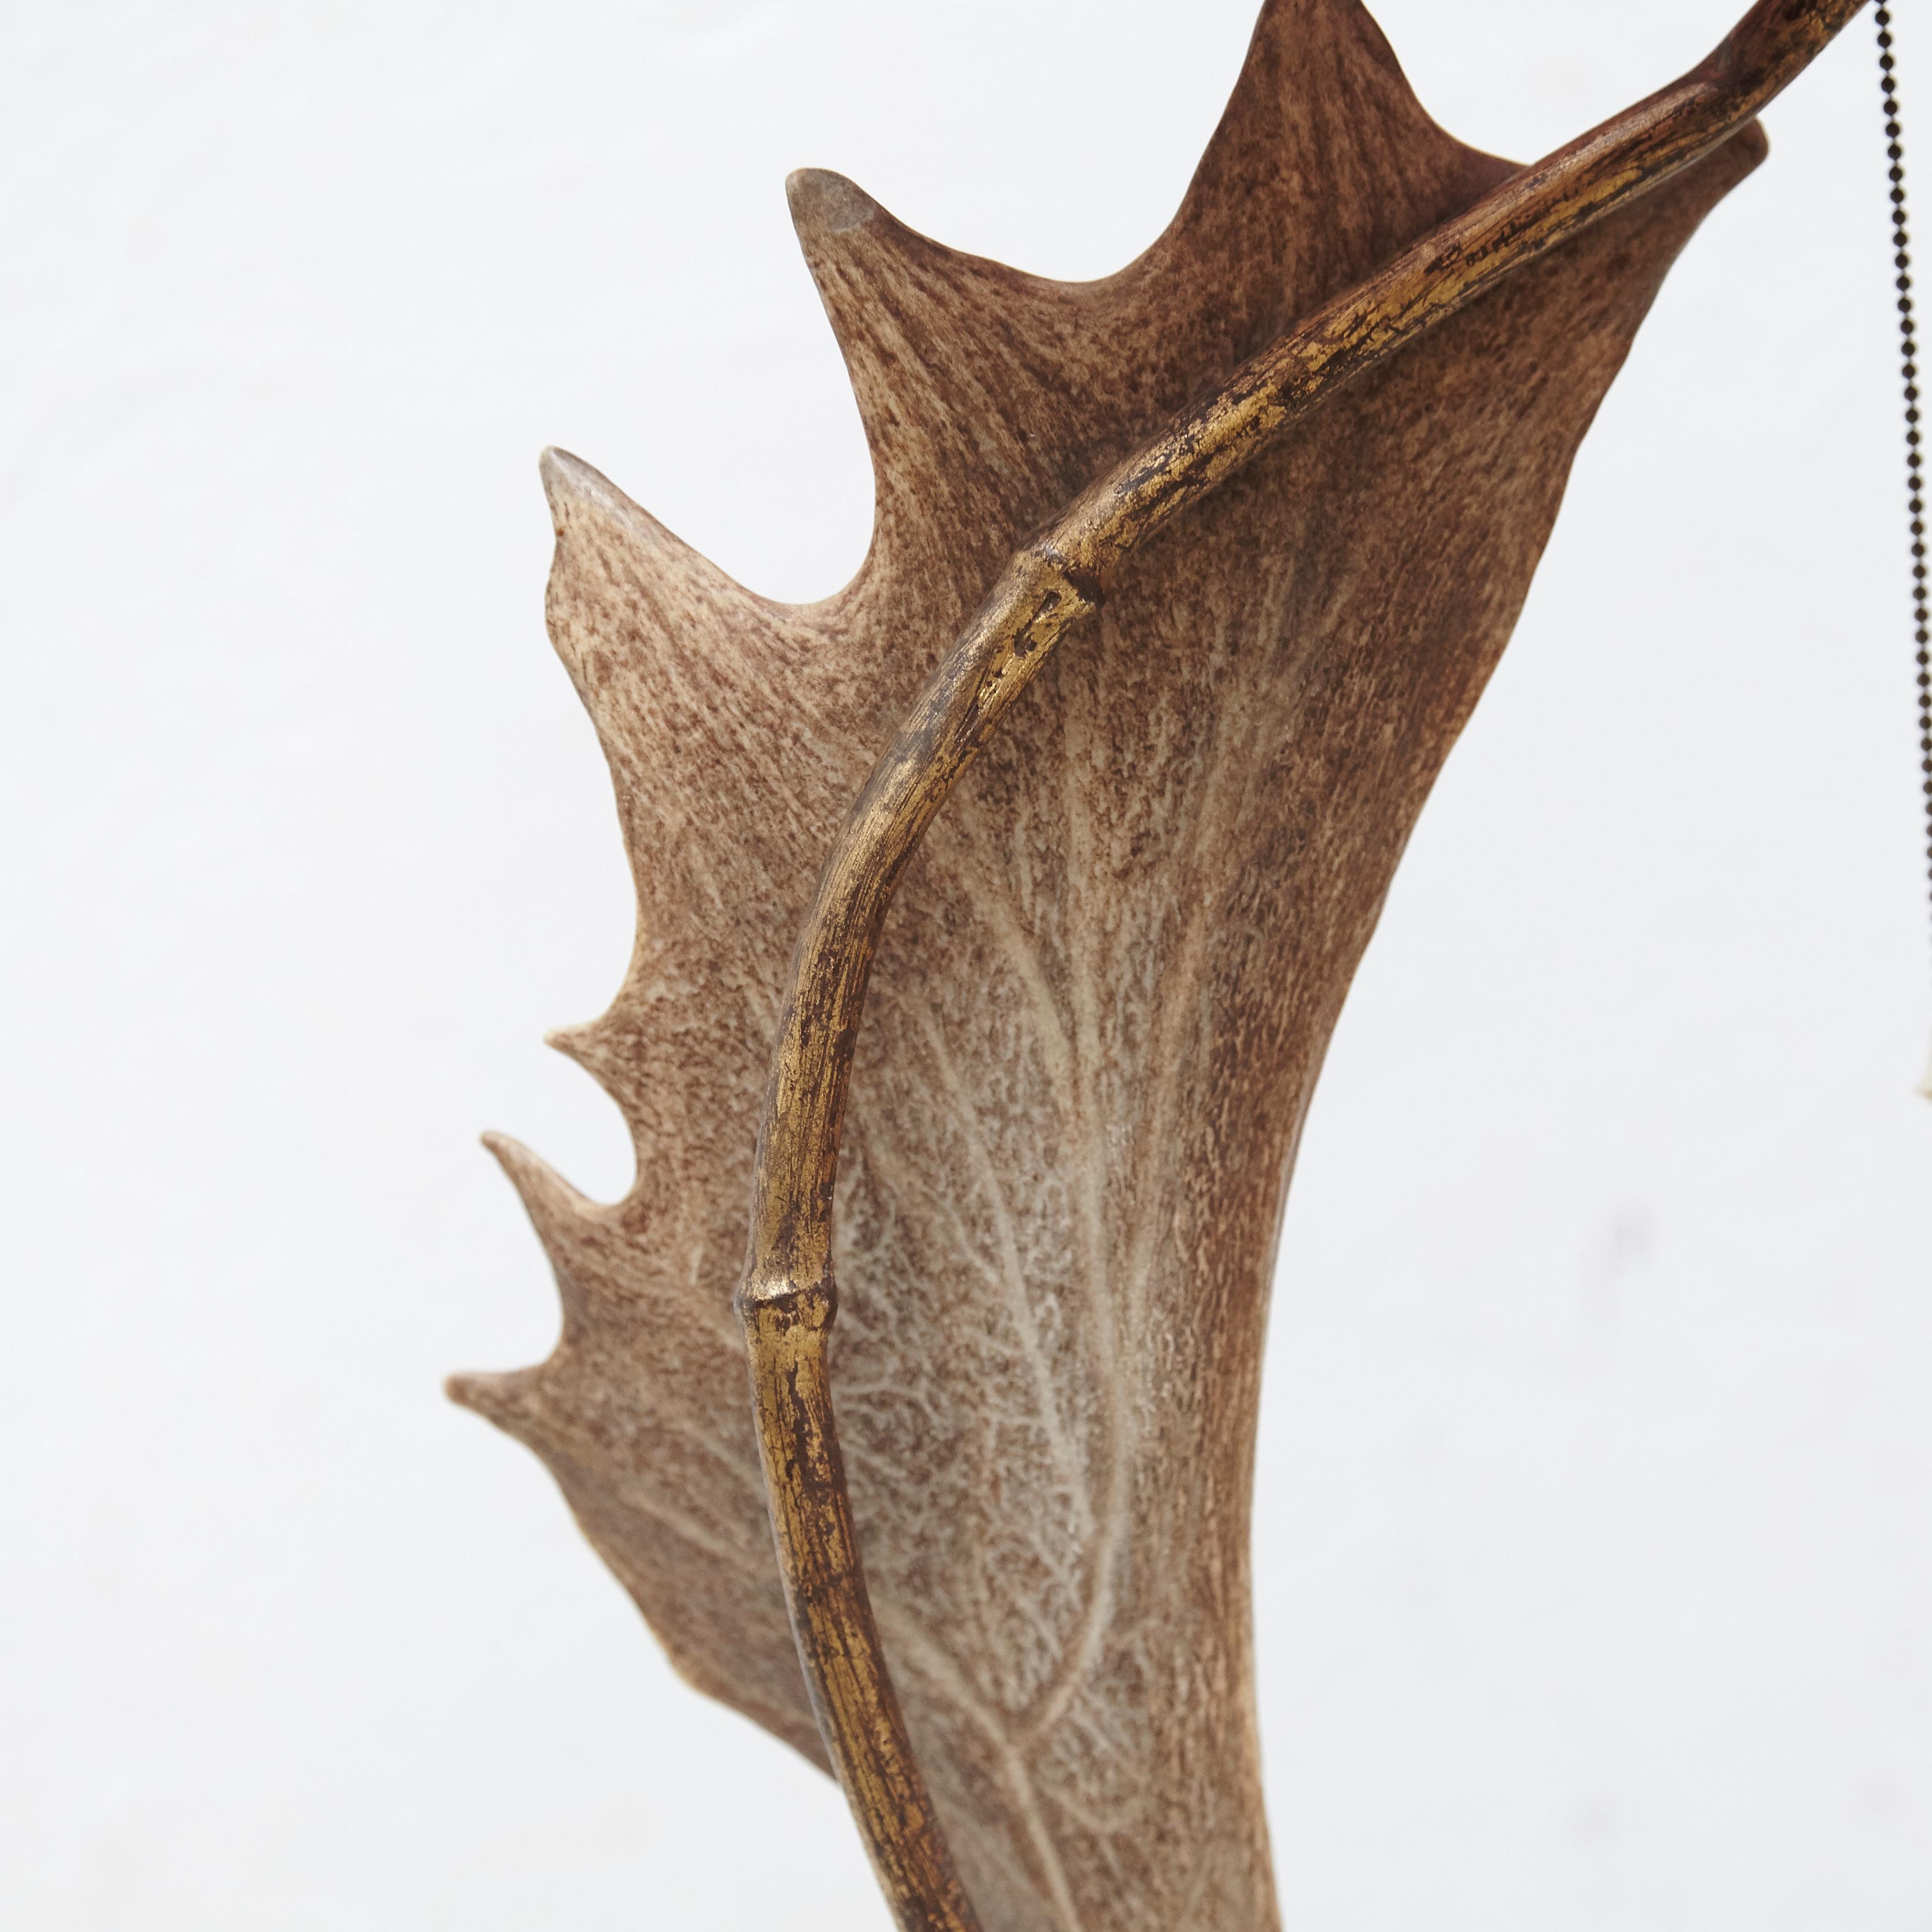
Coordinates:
1914 474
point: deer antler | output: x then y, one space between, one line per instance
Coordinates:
1098 1010
789 1300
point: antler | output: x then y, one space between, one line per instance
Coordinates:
788 1299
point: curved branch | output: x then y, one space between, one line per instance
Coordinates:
787 1301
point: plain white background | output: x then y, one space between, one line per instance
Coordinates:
1594 1530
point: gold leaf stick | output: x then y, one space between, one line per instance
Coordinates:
787 1301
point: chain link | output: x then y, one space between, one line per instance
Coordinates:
1915 472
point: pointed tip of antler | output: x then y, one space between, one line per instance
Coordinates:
584 502
534 1179
570 1225
501 1398
597 1046
583 1043
569 479
822 202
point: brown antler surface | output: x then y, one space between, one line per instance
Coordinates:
1101 1001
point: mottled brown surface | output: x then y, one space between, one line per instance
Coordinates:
1104 994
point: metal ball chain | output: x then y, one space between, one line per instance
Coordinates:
1915 473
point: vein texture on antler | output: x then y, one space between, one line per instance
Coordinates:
1105 989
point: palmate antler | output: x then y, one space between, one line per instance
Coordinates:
1098 1011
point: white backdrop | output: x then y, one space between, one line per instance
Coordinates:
1594 1530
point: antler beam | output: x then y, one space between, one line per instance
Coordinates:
788 1299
